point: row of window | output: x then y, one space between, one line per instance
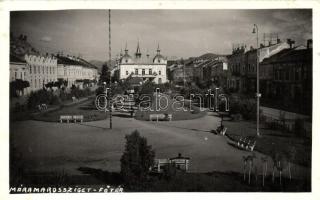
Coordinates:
290 74
136 72
79 73
41 70
236 68
22 75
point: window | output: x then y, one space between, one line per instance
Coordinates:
143 71
30 70
38 69
127 73
150 71
136 71
159 72
15 75
34 69
159 81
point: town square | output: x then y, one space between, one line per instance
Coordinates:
161 100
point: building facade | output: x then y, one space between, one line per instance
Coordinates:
76 71
288 72
42 70
144 67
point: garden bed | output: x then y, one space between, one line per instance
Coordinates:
89 112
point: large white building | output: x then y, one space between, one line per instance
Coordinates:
39 70
42 70
75 70
141 66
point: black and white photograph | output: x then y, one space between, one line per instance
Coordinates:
160 100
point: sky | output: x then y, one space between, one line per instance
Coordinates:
179 33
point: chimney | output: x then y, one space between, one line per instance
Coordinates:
251 47
309 44
290 42
278 41
261 45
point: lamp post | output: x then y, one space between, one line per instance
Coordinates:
110 98
258 95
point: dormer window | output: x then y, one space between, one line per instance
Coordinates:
158 60
126 61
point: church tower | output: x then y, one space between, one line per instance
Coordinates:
138 52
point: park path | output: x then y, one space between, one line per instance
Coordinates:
55 146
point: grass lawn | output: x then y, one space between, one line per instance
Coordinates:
290 147
177 114
87 109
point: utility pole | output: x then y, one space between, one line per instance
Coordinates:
258 95
110 98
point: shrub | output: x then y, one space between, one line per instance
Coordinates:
136 161
42 96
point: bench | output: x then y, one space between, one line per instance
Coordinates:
66 118
77 118
42 107
247 144
157 117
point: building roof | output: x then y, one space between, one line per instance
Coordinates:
14 58
290 55
68 60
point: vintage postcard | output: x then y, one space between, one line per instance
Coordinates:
160 97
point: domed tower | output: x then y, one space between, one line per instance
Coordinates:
159 59
126 58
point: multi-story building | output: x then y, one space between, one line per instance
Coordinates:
143 67
236 63
42 70
19 70
76 71
243 65
289 72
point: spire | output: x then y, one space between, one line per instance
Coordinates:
126 49
138 52
158 49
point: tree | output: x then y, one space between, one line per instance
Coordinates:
105 74
18 86
49 85
136 160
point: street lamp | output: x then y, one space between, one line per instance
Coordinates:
258 95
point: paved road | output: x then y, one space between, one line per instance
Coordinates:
49 146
